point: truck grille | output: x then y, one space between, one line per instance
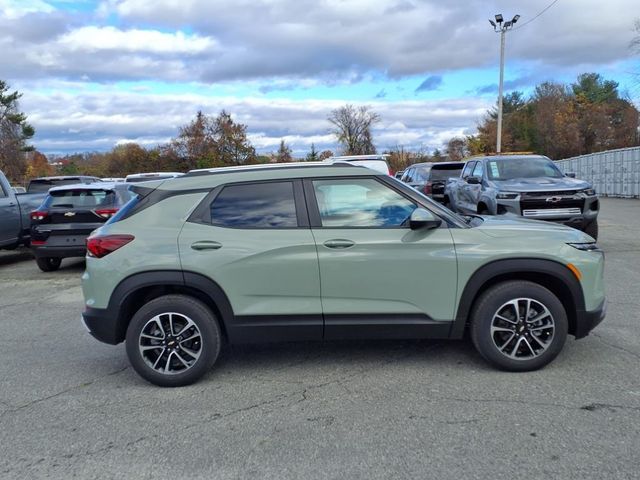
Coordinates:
551 204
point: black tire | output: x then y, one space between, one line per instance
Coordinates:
48 264
592 229
496 300
181 307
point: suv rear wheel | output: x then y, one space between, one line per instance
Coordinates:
173 340
519 326
48 264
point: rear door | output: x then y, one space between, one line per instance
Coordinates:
253 239
9 217
379 278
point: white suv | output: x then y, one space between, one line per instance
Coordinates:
374 162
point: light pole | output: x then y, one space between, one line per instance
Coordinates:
500 26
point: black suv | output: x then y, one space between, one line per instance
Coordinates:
68 214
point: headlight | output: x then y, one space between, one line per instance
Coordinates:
507 195
586 247
589 192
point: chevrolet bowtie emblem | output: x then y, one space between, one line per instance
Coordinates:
69 214
554 199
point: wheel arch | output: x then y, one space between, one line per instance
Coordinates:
550 274
136 290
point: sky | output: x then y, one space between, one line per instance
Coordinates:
95 74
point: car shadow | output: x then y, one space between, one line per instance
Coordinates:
9 257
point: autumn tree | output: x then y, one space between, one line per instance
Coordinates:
37 165
325 154
194 147
562 121
14 133
284 153
352 128
231 145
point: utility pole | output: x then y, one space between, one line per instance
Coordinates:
500 26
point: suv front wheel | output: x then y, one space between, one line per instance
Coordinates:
519 326
173 340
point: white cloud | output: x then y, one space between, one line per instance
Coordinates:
99 120
91 38
14 9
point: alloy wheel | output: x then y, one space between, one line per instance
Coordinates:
522 329
170 343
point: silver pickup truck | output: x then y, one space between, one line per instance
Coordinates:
530 186
15 208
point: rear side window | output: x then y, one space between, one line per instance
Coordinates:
445 173
81 198
256 205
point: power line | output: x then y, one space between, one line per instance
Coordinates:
540 13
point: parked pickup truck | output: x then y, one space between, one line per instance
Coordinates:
530 186
14 219
15 207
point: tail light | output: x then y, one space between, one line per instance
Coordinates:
102 245
36 215
428 188
106 212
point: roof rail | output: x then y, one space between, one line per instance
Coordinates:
265 166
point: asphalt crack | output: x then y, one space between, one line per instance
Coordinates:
62 392
616 347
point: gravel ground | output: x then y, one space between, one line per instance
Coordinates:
71 407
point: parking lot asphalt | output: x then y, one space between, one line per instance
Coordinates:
71 407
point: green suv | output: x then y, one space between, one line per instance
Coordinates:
322 252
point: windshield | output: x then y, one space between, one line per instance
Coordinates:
508 169
81 198
43 186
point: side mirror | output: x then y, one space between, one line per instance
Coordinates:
423 218
570 174
474 180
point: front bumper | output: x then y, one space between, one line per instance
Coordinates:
588 320
579 219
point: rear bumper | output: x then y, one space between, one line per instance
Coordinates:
589 320
58 252
102 325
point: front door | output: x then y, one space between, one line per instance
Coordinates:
254 241
378 277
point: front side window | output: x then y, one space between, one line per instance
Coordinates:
360 202
467 169
255 205
477 171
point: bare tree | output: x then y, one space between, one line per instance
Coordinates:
352 127
456 149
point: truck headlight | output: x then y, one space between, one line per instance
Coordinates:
507 195
589 192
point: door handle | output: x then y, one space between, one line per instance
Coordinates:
339 243
206 245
